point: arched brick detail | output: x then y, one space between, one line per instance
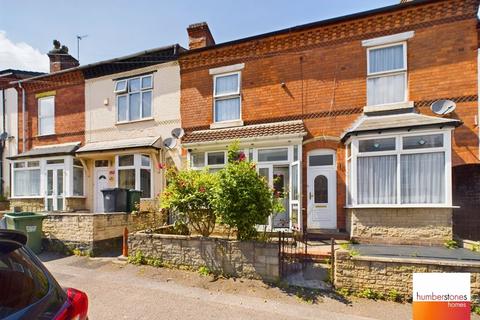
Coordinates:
341 187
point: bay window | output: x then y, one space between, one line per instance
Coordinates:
226 92
134 171
387 74
26 179
407 169
134 98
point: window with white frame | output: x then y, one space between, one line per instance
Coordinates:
134 171
387 74
226 92
78 181
403 169
134 98
215 160
26 178
46 116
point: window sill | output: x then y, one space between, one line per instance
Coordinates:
75 197
45 135
226 124
26 197
388 107
134 121
403 206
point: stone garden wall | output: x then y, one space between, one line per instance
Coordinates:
234 258
419 226
384 275
94 232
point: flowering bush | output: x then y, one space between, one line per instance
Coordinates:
191 194
243 198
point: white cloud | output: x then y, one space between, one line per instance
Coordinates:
21 56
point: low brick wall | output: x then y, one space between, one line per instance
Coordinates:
248 259
384 274
423 226
93 232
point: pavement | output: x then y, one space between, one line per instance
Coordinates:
118 291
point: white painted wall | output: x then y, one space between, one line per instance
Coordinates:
11 127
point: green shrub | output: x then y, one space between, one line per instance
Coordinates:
394 296
369 294
451 244
190 193
204 271
243 198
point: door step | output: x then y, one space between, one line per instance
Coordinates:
326 234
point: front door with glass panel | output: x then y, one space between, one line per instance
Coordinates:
321 191
55 189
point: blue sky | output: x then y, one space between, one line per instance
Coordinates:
121 27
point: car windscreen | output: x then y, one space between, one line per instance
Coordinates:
22 282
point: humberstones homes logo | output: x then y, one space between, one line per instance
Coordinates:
441 296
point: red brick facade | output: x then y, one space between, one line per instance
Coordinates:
323 68
69 91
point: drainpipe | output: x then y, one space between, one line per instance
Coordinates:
2 146
23 116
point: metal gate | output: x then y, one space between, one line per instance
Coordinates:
292 252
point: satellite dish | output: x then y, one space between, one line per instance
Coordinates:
4 136
178 133
442 107
170 143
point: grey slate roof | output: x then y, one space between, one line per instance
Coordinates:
154 142
52 150
367 124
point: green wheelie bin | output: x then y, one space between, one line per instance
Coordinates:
133 199
31 224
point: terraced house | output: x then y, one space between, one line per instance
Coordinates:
337 114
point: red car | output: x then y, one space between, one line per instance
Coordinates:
28 290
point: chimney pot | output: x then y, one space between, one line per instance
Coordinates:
199 36
60 59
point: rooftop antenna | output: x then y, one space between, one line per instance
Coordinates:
78 45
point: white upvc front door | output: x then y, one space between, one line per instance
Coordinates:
101 182
55 189
322 190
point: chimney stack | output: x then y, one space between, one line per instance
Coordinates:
199 36
60 59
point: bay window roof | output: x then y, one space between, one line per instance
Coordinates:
142 142
50 150
406 121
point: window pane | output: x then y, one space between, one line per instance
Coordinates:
134 84
295 153
23 283
147 82
134 106
386 59
321 160
295 182
121 86
146 104
46 116
77 162
145 183
55 161
59 183
125 160
27 182
216 158
377 178
145 160
77 181
197 160
424 141
101 163
423 178
46 107
349 181
280 154
227 109
122 108
126 178
320 189
387 89
226 84
373 145
19 165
